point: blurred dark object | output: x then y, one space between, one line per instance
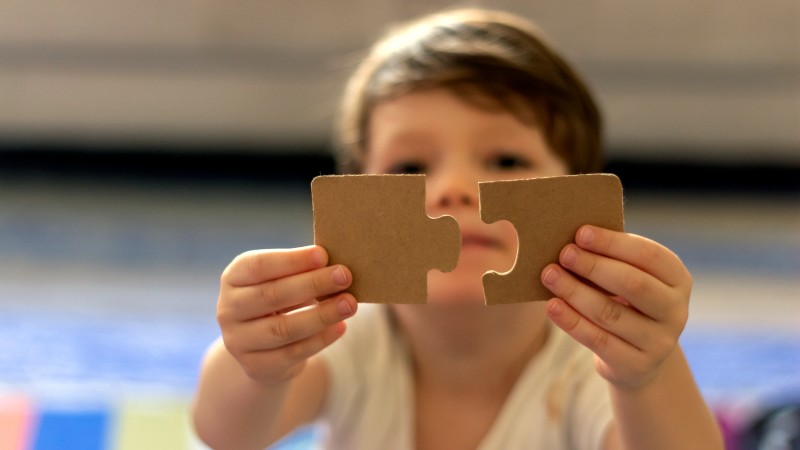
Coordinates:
242 164
218 164
776 429
707 177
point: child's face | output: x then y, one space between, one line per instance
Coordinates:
457 145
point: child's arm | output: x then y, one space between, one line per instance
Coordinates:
631 318
257 382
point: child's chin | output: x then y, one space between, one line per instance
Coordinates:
455 301
450 289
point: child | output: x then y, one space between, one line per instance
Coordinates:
462 96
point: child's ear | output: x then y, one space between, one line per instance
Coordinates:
546 213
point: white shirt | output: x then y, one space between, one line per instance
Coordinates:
559 401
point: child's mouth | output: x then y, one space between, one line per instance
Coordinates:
476 241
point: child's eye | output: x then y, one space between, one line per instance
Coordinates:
408 168
509 161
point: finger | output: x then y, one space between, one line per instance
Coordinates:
257 266
285 362
606 313
613 351
283 294
298 306
640 289
638 251
268 333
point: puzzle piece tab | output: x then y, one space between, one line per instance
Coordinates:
377 226
546 213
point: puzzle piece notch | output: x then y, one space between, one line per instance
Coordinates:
546 213
377 226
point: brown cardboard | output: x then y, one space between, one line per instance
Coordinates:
376 225
546 213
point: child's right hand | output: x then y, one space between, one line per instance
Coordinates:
277 308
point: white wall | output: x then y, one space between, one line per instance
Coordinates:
717 78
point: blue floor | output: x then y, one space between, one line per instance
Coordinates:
50 352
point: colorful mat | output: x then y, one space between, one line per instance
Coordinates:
127 425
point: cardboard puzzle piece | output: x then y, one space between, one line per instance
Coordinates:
546 213
377 226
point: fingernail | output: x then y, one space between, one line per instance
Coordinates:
586 235
550 276
344 308
339 277
569 256
554 308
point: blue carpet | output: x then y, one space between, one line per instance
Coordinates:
41 352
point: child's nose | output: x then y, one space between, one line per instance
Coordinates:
453 189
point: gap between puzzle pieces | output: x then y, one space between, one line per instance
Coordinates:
377 226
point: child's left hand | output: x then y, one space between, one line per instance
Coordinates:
631 310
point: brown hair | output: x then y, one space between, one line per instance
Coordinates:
490 59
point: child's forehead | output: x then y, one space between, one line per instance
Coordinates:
415 114
477 101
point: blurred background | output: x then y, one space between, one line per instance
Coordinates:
144 144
